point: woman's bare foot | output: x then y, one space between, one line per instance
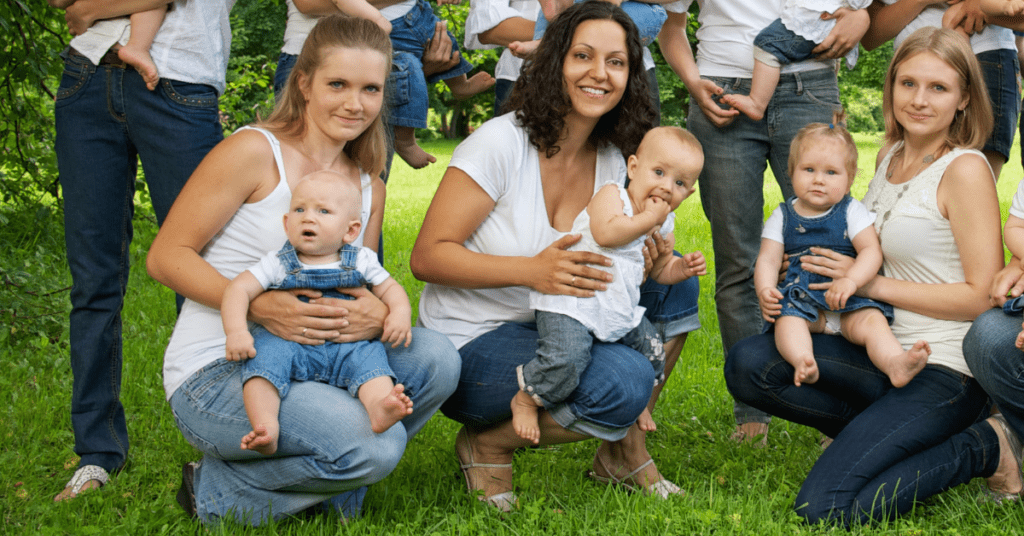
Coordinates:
902 368
1006 482
391 409
749 431
464 88
628 464
524 417
646 422
408 150
806 373
488 471
262 438
746 105
143 63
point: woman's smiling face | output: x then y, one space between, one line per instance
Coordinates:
596 68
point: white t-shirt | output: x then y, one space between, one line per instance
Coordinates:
486 14
991 38
1017 205
192 45
858 218
270 272
501 160
726 36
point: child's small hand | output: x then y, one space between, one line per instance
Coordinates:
1020 339
239 346
657 206
397 330
839 292
694 264
770 307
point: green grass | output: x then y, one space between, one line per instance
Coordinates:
731 489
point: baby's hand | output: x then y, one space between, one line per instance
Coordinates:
397 330
1020 339
770 306
657 206
694 264
839 292
239 346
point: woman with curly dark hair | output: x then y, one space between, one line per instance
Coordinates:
497 229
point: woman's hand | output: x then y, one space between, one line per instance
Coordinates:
828 263
1007 284
570 272
965 17
362 318
283 314
851 25
437 54
706 94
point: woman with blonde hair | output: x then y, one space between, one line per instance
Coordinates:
937 218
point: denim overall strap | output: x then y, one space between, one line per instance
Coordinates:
346 276
801 233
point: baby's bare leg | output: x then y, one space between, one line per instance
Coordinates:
869 328
793 340
145 25
525 419
762 86
262 404
385 402
464 88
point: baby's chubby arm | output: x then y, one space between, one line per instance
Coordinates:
766 278
865 267
233 310
611 228
398 323
669 269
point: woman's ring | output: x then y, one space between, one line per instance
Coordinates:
573 284
304 331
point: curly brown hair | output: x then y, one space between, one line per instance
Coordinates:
541 106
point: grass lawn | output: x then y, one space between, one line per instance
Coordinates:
731 489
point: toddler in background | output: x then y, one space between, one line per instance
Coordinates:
616 223
823 165
143 27
323 221
789 39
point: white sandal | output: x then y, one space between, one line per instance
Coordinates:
663 488
84 475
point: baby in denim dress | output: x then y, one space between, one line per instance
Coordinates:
1013 235
323 220
823 165
616 223
789 39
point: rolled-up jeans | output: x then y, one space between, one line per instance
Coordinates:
732 184
326 452
998 364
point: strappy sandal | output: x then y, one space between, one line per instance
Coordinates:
505 501
1016 449
84 475
663 488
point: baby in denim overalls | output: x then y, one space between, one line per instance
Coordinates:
323 220
616 223
823 165
789 39
1013 235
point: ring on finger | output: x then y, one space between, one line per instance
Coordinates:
304 331
573 283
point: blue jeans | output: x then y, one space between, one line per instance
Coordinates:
106 121
997 364
782 44
1000 68
409 34
285 64
893 447
731 186
326 450
612 391
648 18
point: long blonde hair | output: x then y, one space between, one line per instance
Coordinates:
368 150
972 127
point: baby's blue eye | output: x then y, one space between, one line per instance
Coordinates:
831 172
324 211
299 209
680 183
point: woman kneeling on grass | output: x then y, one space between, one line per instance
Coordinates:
227 217
938 222
496 229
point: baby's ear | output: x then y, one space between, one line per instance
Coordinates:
352 234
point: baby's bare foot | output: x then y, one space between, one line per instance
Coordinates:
464 88
746 105
524 417
646 422
143 63
904 367
806 373
391 409
262 439
408 150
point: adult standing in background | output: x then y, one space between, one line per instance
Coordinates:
106 121
496 23
737 150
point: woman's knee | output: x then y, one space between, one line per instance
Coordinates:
745 365
616 387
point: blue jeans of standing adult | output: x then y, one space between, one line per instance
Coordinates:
648 19
613 390
893 447
106 120
997 364
731 186
326 452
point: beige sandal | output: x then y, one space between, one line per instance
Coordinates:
84 475
663 488
505 501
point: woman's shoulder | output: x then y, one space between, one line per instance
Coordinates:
968 165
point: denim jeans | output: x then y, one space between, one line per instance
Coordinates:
893 447
648 18
1000 69
285 64
612 391
997 364
409 34
326 449
731 186
782 44
106 121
